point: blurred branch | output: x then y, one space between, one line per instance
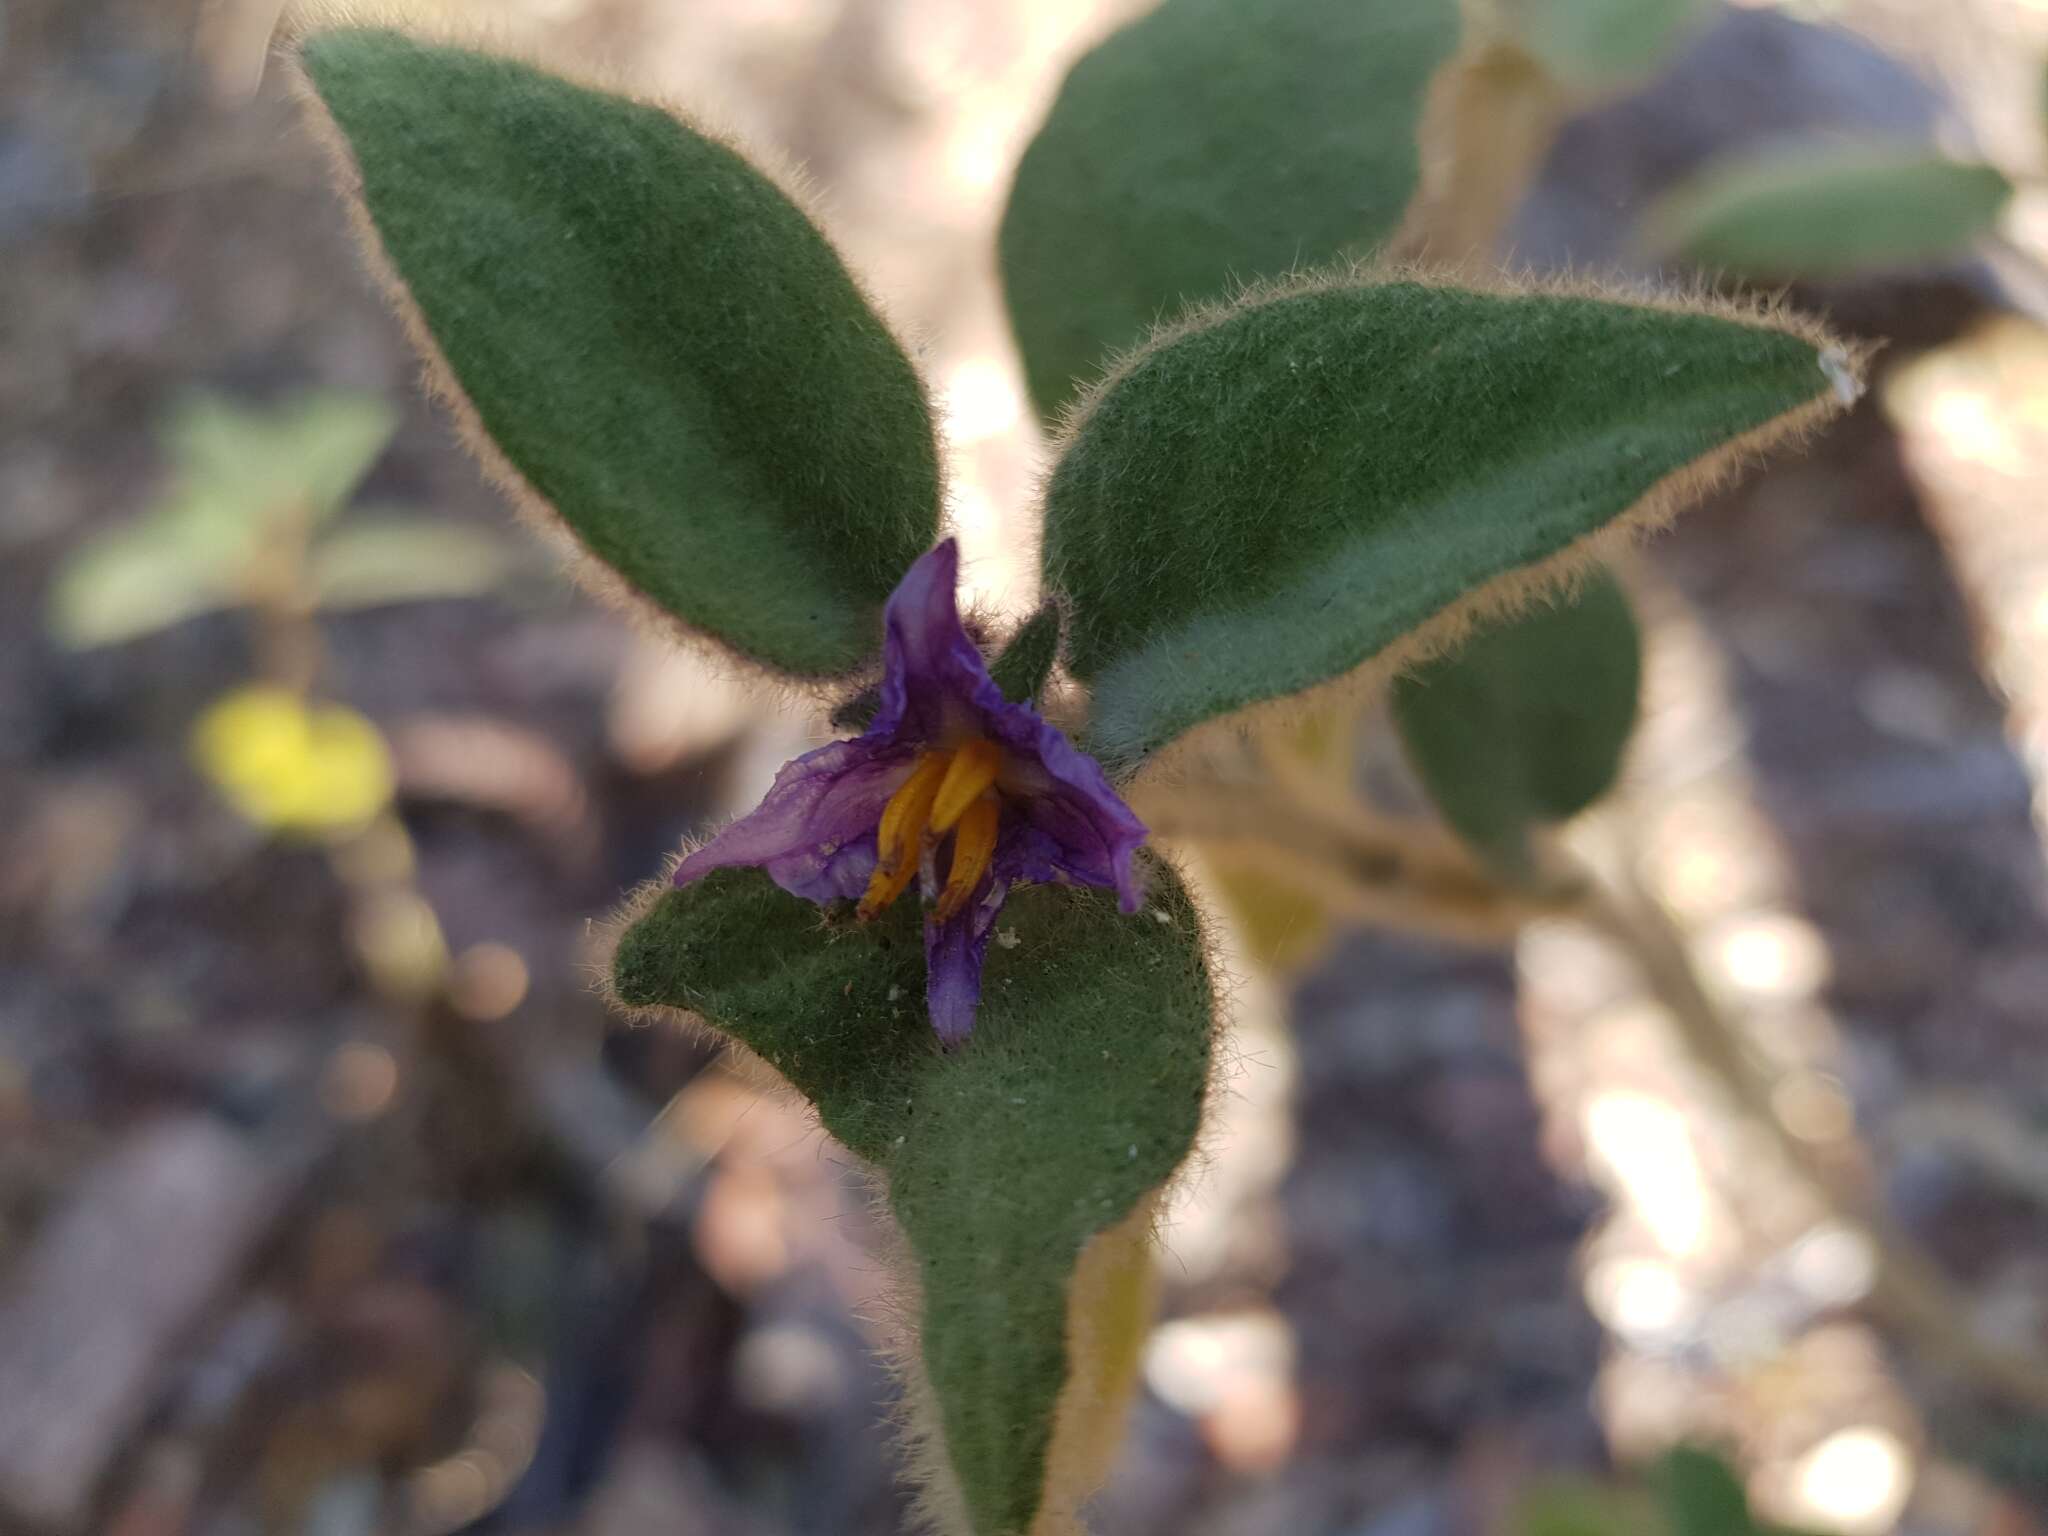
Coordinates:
1362 868
1908 1286
1491 119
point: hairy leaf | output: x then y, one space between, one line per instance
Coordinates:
1272 498
655 343
1526 722
1829 208
1077 1096
1026 662
1211 142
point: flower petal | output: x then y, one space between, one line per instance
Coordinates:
953 953
931 667
814 831
1085 833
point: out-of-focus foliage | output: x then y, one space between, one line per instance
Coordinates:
1283 925
237 476
653 335
1587 1509
1525 724
1209 144
377 559
1690 1491
1701 1494
250 518
1815 208
292 767
1597 43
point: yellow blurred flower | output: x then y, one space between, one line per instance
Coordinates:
292 768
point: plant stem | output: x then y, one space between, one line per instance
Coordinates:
289 647
1363 868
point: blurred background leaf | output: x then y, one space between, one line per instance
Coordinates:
1282 924
237 475
1594 43
311 450
1815 208
1691 1491
249 490
138 579
1526 723
372 560
1701 1494
1585 1508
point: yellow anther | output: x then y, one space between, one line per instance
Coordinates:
900 836
973 770
909 810
974 847
884 886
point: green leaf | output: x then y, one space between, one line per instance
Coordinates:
1829 208
238 474
1585 1509
370 561
1526 722
1273 498
1593 43
1027 661
133 581
1076 1097
302 458
1211 142
654 342
1701 1494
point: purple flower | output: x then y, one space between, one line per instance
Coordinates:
951 777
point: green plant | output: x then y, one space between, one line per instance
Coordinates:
1689 1491
1826 208
258 518
1281 497
254 519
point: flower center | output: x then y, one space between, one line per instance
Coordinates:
949 791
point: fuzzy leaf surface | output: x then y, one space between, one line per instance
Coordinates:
1209 143
1027 660
1078 1094
652 335
1829 208
1526 722
1272 499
